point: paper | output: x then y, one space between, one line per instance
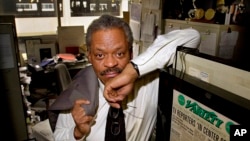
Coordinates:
145 46
149 24
227 18
136 28
227 43
152 4
147 38
135 12
188 124
135 20
67 57
30 47
208 43
42 131
136 49
149 28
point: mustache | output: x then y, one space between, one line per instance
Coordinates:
117 70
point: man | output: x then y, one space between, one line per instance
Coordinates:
109 43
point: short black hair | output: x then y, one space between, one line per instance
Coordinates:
108 21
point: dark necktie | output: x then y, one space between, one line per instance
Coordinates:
115 126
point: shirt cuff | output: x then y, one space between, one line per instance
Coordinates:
73 137
145 68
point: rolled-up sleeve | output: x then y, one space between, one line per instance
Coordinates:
161 52
65 127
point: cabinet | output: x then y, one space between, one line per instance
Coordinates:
224 41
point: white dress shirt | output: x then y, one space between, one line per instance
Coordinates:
140 107
162 51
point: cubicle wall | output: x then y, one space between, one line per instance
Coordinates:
13 125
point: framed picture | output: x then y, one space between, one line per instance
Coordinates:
30 47
44 51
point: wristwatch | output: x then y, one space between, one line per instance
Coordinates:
136 68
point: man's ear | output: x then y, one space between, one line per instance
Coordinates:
89 56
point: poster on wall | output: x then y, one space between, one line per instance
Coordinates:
94 7
135 20
32 8
194 121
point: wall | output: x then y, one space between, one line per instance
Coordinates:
41 26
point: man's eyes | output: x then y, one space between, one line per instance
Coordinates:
101 56
120 54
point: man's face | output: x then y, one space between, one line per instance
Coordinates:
109 53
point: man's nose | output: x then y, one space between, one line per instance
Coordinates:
110 61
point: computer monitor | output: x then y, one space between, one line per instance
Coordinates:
195 110
13 109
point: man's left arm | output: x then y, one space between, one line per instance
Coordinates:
120 86
158 55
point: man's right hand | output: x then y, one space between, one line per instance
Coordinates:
82 121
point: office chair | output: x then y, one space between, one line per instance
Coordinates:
63 77
63 80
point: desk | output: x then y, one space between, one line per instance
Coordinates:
76 66
46 78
